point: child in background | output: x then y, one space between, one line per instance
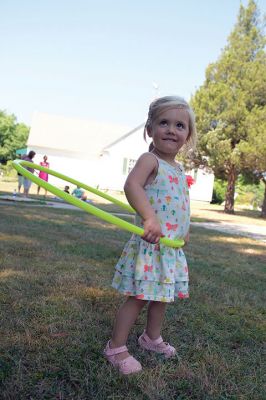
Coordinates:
148 272
79 193
43 175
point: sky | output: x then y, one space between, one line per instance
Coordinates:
106 60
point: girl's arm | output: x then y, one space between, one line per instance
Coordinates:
145 168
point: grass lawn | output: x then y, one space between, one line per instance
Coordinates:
57 311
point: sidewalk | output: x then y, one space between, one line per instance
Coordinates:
38 202
252 231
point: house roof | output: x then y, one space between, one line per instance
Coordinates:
74 135
124 136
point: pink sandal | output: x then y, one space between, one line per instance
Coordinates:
157 345
127 366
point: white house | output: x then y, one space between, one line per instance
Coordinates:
97 154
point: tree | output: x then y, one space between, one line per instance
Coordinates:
253 150
12 136
233 94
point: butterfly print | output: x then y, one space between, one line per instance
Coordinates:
171 227
172 179
147 268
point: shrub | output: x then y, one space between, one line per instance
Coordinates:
251 194
219 191
7 170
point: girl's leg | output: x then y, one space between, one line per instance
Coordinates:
151 339
156 311
125 318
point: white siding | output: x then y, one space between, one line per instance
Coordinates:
203 187
112 173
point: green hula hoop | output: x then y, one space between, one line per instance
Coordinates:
19 166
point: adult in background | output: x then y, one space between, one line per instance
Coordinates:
20 177
26 182
43 175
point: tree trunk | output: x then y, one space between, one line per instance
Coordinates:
230 191
263 209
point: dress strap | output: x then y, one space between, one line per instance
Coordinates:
154 155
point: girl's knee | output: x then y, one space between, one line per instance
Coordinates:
157 304
140 303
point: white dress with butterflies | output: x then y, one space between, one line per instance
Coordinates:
156 272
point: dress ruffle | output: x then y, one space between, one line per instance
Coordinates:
151 272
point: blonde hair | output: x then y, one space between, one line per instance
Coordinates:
165 103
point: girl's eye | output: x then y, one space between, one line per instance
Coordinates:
163 122
180 125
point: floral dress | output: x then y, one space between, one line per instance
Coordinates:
151 271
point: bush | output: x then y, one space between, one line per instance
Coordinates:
251 195
219 191
245 194
7 170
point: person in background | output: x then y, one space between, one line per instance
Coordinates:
79 193
20 177
67 189
26 182
43 175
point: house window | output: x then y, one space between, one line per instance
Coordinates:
128 164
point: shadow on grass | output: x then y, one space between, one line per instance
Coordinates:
252 214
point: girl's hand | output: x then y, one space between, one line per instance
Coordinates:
152 230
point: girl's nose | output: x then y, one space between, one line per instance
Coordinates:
171 130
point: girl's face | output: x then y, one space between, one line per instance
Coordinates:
170 130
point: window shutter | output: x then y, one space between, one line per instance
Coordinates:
124 166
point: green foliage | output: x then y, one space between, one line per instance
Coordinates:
7 170
254 148
249 194
231 105
12 136
219 191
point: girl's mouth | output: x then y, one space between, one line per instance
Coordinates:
170 139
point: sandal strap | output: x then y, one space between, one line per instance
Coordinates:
126 361
114 351
154 342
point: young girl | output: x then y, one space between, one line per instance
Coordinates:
43 175
148 272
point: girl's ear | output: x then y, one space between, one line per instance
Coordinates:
149 131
